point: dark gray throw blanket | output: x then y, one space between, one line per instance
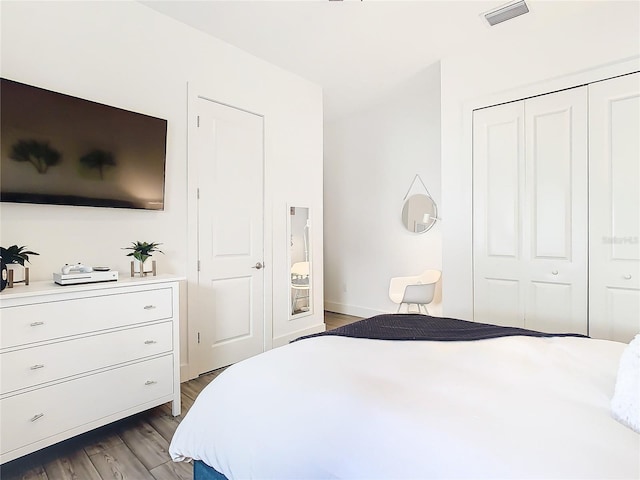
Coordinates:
403 326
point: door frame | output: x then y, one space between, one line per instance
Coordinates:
197 92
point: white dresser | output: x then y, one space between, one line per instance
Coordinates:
73 358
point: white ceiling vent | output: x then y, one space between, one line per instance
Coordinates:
506 12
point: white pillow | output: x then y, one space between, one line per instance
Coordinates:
625 404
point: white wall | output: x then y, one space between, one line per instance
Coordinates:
127 55
526 54
371 158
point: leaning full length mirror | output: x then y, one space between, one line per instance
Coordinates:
300 261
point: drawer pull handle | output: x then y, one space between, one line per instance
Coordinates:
37 416
150 342
150 382
627 277
555 272
149 307
36 324
36 367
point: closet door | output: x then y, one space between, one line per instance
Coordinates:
614 204
530 213
555 228
498 195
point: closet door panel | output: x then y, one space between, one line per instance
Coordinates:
500 303
549 157
502 190
551 308
498 194
621 313
614 201
625 171
556 211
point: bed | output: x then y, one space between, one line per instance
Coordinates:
431 403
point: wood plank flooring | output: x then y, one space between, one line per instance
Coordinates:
135 448
334 320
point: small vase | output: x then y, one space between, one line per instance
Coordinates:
17 274
143 269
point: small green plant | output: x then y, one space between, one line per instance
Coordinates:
16 254
143 250
39 154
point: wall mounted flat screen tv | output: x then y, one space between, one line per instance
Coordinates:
62 150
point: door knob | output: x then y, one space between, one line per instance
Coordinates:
258 266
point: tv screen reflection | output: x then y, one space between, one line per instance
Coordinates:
63 150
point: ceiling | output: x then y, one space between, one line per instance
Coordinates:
354 49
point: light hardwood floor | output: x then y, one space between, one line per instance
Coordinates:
334 320
135 448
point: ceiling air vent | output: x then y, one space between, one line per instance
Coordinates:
506 12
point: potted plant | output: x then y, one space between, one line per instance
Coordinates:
14 258
141 251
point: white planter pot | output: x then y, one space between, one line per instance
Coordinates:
17 274
147 268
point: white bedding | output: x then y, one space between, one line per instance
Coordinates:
337 407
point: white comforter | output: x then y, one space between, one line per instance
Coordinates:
336 407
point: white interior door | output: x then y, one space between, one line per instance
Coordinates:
614 205
498 195
556 211
230 298
530 213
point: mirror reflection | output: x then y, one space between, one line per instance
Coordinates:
419 213
299 260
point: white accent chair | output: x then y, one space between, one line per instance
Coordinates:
414 290
299 283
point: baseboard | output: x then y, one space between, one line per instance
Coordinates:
352 310
285 339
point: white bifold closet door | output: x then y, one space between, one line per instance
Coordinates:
530 213
614 208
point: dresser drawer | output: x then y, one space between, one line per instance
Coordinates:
25 324
45 363
50 411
